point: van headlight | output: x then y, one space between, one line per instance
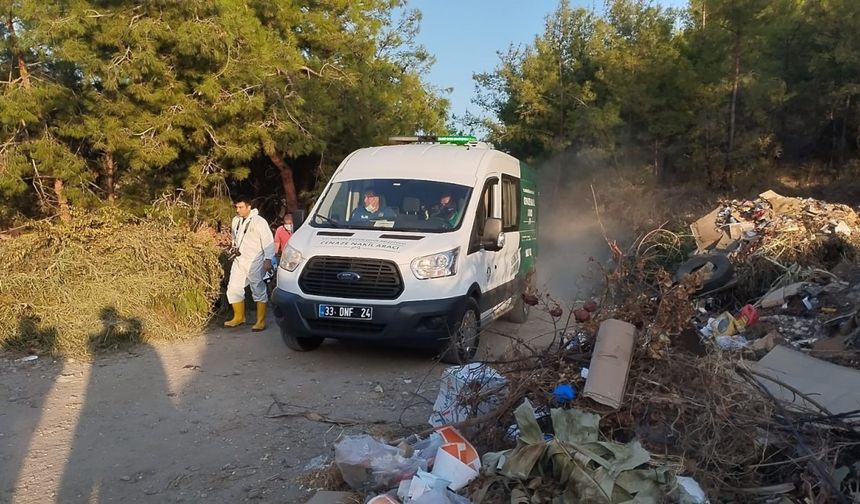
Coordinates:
438 265
291 259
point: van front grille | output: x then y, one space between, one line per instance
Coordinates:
376 278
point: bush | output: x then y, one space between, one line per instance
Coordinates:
103 280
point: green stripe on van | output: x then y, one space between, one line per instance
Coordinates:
528 218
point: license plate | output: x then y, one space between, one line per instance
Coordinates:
345 312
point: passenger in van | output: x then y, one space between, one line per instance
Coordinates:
372 209
446 210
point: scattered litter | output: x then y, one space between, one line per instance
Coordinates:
673 353
827 385
29 358
747 317
420 484
480 378
767 342
368 464
610 362
843 228
457 461
585 467
690 492
734 342
564 393
316 463
780 295
724 325
440 496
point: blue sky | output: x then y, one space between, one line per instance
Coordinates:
466 35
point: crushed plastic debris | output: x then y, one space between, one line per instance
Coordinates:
671 366
481 379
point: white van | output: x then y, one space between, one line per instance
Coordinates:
418 244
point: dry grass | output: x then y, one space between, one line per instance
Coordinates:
104 280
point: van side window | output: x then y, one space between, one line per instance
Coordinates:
510 203
486 209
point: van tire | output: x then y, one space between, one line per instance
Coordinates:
519 314
465 338
301 344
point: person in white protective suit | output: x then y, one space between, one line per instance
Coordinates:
253 241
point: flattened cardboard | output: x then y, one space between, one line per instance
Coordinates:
610 362
781 204
780 295
837 388
706 231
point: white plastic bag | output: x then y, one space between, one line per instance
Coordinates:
480 378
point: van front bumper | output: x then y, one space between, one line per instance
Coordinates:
416 323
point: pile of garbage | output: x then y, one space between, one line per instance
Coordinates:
558 450
768 236
794 261
728 375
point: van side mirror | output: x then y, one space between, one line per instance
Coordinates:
493 239
298 218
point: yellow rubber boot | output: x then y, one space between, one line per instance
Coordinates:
261 317
238 315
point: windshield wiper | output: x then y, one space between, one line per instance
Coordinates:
328 220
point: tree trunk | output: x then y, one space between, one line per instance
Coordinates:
733 111
286 179
843 138
834 141
23 73
110 176
62 203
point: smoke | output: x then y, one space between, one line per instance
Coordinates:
572 244
571 240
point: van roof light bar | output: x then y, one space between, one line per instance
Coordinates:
447 139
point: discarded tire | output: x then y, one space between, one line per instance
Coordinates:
721 274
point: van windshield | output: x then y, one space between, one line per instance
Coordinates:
393 204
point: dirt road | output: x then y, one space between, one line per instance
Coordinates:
187 422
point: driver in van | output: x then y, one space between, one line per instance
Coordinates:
446 210
371 209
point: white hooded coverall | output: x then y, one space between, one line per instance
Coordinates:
254 240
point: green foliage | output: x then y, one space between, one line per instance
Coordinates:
719 88
125 101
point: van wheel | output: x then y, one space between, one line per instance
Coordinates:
301 344
463 345
519 314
